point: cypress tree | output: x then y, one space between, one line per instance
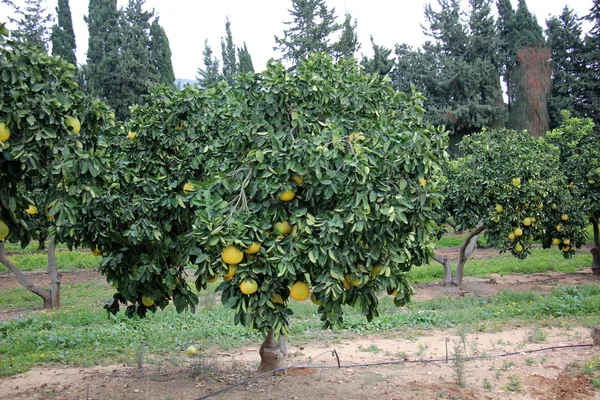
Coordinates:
208 75
245 60
230 66
566 43
446 28
508 51
309 31
160 54
591 60
63 36
99 75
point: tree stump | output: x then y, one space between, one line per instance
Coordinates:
272 353
595 260
596 335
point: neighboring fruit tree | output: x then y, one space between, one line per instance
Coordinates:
511 185
41 112
579 145
321 182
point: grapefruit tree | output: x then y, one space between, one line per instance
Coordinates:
579 145
318 182
512 186
48 134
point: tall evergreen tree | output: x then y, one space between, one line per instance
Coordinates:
32 21
484 39
309 31
245 60
508 53
446 28
348 43
566 43
591 59
230 65
63 36
381 63
101 69
528 32
210 73
136 74
160 54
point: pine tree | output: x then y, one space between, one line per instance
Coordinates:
32 23
63 36
591 59
245 60
230 65
310 30
484 39
100 72
566 43
381 63
160 54
348 43
528 33
210 74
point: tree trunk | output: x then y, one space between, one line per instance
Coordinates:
447 268
27 284
42 244
272 353
596 249
54 275
465 251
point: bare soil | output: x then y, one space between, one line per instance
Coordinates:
547 374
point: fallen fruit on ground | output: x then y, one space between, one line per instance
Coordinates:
191 351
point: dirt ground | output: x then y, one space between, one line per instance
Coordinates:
416 367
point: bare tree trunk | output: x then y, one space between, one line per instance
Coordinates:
41 244
465 251
596 249
272 353
447 268
44 294
54 275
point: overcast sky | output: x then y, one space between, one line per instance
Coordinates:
188 22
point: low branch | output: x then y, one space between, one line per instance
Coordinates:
27 284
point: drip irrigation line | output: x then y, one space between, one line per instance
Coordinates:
424 361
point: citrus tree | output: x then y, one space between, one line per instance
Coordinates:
579 145
510 185
47 128
319 182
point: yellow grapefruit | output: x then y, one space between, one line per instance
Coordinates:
230 255
3 230
131 135
555 241
511 236
287 195
73 123
276 298
253 248
564 217
516 181
313 298
283 227
213 279
518 248
31 210
518 232
249 286
299 291
230 273
188 187
96 251
4 132
147 301
298 180
499 208
567 242
527 221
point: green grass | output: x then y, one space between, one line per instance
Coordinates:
540 260
66 260
84 336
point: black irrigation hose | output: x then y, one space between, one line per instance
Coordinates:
334 353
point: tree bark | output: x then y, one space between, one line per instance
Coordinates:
596 249
27 284
465 251
272 353
447 268
54 275
42 244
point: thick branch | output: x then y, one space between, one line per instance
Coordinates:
447 268
44 294
596 231
54 275
462 253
